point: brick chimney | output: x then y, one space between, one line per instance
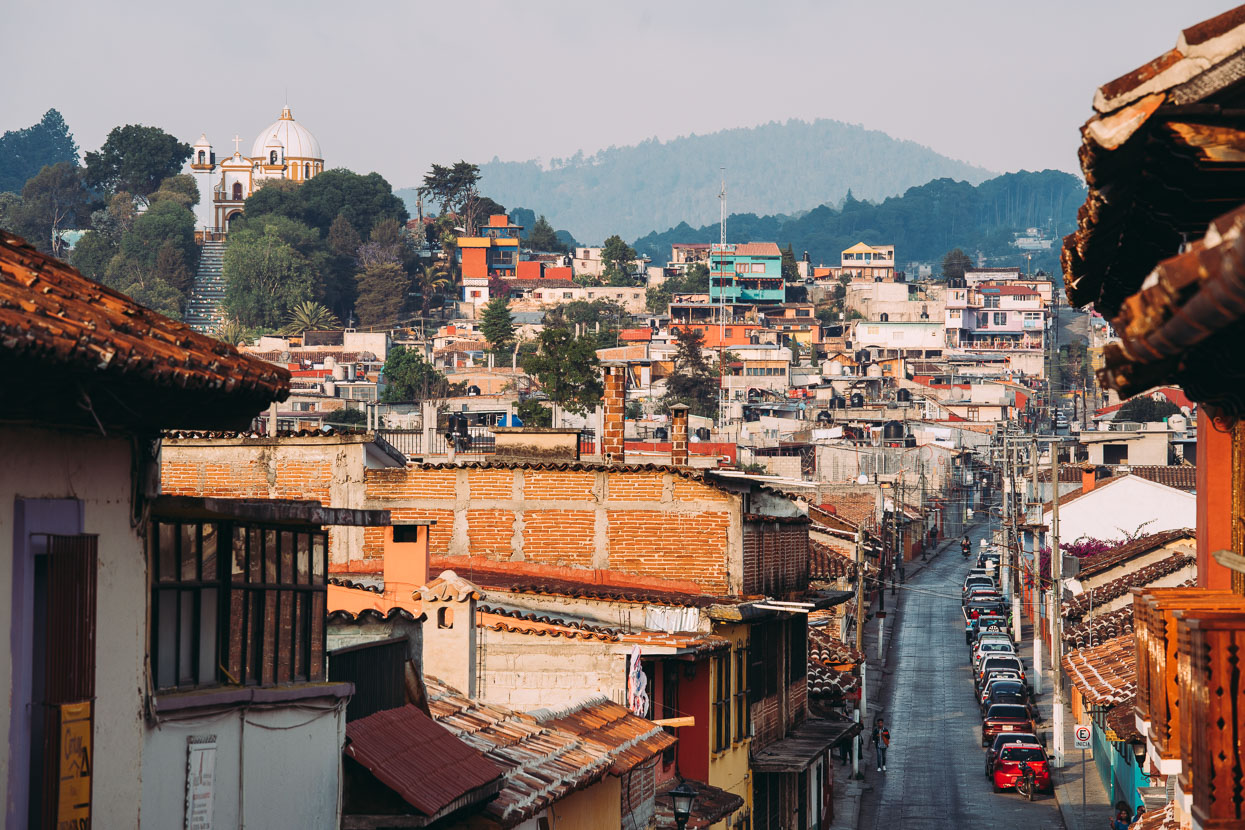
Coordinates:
406 558
678 435
614 425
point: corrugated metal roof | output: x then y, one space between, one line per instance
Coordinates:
420 760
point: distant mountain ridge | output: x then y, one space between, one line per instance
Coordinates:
923 224
774 168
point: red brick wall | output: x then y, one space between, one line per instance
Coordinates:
639 791
653 523
775 558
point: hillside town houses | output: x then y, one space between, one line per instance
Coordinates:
252 586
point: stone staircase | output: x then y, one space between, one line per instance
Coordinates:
203 312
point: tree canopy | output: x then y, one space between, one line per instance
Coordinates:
617 257
955 263
567 368
53 200
24 152
1146 409
135 159
456 189
693 383
542 237
408 377
361 200
271 267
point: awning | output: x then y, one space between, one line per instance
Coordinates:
711 805
809 740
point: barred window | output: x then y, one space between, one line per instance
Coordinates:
722 703
237 604
743 713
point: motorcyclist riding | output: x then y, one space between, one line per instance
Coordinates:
966 547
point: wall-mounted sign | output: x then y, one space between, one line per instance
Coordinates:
73 803
200 781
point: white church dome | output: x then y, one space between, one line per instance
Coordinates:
298 141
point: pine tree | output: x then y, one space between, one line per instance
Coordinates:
693 383
382 293
497 324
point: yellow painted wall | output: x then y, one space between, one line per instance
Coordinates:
599 807
729 770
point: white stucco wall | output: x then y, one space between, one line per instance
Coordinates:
45 464
276 767
1123 506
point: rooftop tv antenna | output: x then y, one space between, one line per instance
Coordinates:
722 199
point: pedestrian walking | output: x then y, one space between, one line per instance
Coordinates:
881 737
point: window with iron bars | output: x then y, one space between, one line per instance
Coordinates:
722 703
237 604
743 713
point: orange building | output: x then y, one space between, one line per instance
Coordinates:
494 253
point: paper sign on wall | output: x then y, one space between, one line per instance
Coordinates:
73 805
200 781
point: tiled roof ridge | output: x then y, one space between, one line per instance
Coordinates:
495 619
1116 588
1133 548
371 615
555 712
1100 628
358 586
449 587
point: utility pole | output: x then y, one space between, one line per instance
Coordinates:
1056 634
1037 582
1014 545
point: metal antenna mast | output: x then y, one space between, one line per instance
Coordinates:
721 305
722 199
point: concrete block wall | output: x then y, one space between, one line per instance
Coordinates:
525 672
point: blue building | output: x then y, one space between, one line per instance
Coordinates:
746 273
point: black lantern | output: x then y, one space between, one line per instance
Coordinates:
683 796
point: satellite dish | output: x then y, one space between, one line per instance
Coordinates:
862 479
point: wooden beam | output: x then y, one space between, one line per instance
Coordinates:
690 720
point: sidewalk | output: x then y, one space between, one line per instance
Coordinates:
1097 812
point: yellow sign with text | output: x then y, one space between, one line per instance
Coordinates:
73 807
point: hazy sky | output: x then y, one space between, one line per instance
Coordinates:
392 86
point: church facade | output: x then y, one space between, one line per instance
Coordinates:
284 150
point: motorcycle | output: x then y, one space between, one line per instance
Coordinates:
965 549
1025 785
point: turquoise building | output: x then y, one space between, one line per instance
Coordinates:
750 272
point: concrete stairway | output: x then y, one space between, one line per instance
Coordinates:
203 312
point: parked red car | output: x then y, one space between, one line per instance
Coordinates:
1007 767
1005 717
1007 739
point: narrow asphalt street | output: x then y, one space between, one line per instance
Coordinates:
936 766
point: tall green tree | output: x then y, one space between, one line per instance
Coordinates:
23 153
567 368
955 263
617 257
790 272
497 324
136 159
1145 409
408 377
53 201
164 222
456 189
694 383
431 280
180 189
382 289
362 200
170 268
542 237
270 267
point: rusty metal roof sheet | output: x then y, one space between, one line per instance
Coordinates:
420 760
53 320
1105 673
541 763
629 739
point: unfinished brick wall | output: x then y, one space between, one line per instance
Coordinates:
614 402
775 558
650 522
328 469
639 792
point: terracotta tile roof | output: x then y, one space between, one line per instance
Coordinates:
1179 476
527 285
1080 605
1162 118
449 587
1122 722
1108 559
423 762
543 625
826 563
541 763
829 662
1163 818
1099 628
301 356
371 615
56 324
857 508
757 249
711 806
1105 673
613 586
629 740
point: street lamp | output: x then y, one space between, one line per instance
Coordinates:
682 796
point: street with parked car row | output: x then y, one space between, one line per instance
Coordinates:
936 767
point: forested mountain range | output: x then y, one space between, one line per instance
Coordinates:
773 168
923 224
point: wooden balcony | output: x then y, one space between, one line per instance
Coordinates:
1213 705
1158 679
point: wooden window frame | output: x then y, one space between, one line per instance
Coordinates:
741 704
263 619
722 703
